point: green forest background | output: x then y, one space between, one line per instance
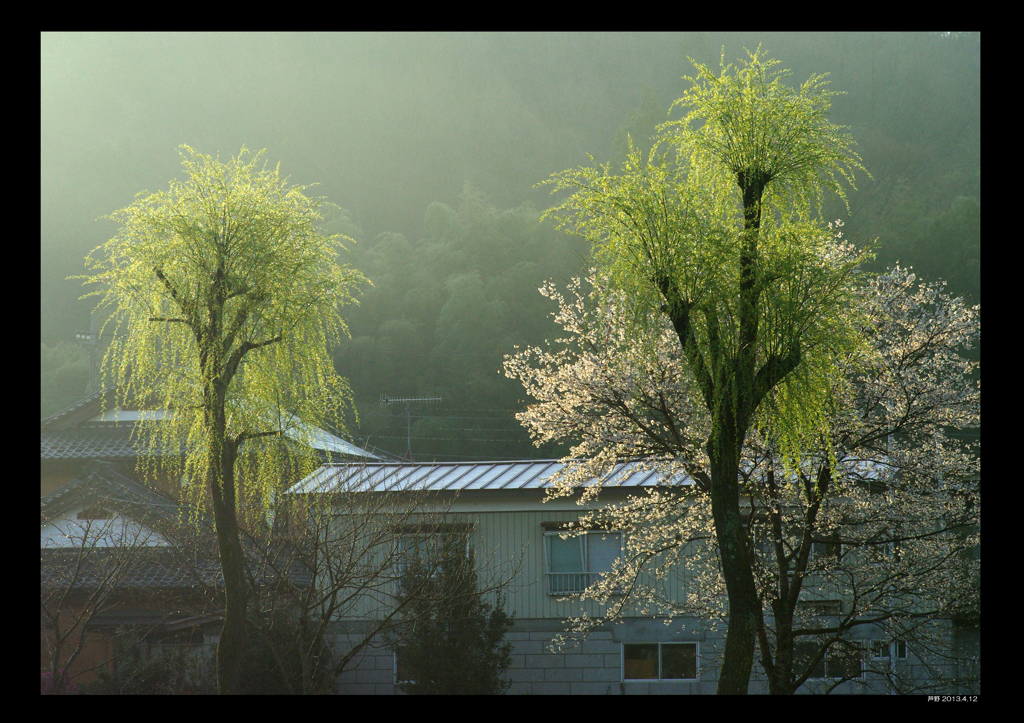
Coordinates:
444 210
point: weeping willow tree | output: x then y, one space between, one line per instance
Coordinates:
225 298
719 229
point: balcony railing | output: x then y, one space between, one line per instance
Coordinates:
570 583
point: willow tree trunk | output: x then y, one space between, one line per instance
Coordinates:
217 375
222 486
723 449
733 387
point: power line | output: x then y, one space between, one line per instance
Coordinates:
458 438
392 352
480 458
472 409
482 419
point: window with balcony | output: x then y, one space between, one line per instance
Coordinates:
576 562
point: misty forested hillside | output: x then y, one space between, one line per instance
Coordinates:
432 145
442 311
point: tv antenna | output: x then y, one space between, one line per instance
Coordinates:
386 401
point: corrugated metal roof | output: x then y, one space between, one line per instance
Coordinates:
322 439
457 476
106 440
86 431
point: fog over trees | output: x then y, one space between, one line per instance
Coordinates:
432 146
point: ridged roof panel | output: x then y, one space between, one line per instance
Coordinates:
392 477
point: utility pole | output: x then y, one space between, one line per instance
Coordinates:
386 401
91 339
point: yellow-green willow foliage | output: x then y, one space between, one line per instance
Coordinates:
748 121
715 228
223 292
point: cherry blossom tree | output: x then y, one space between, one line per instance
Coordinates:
864 550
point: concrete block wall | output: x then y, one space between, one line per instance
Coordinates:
593 667
536 670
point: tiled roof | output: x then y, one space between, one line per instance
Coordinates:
104 482
148 568
441 476
155 619
109 441
68 434
90 442
192 562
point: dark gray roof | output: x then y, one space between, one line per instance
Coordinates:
107 441
68 434
153 569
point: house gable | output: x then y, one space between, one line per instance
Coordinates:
97 527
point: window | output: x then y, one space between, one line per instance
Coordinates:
402 672
803 652
879 650
884 552
422 548
432 546
822 607
758 531
843 660
827 547
659 661
576 562
882 649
